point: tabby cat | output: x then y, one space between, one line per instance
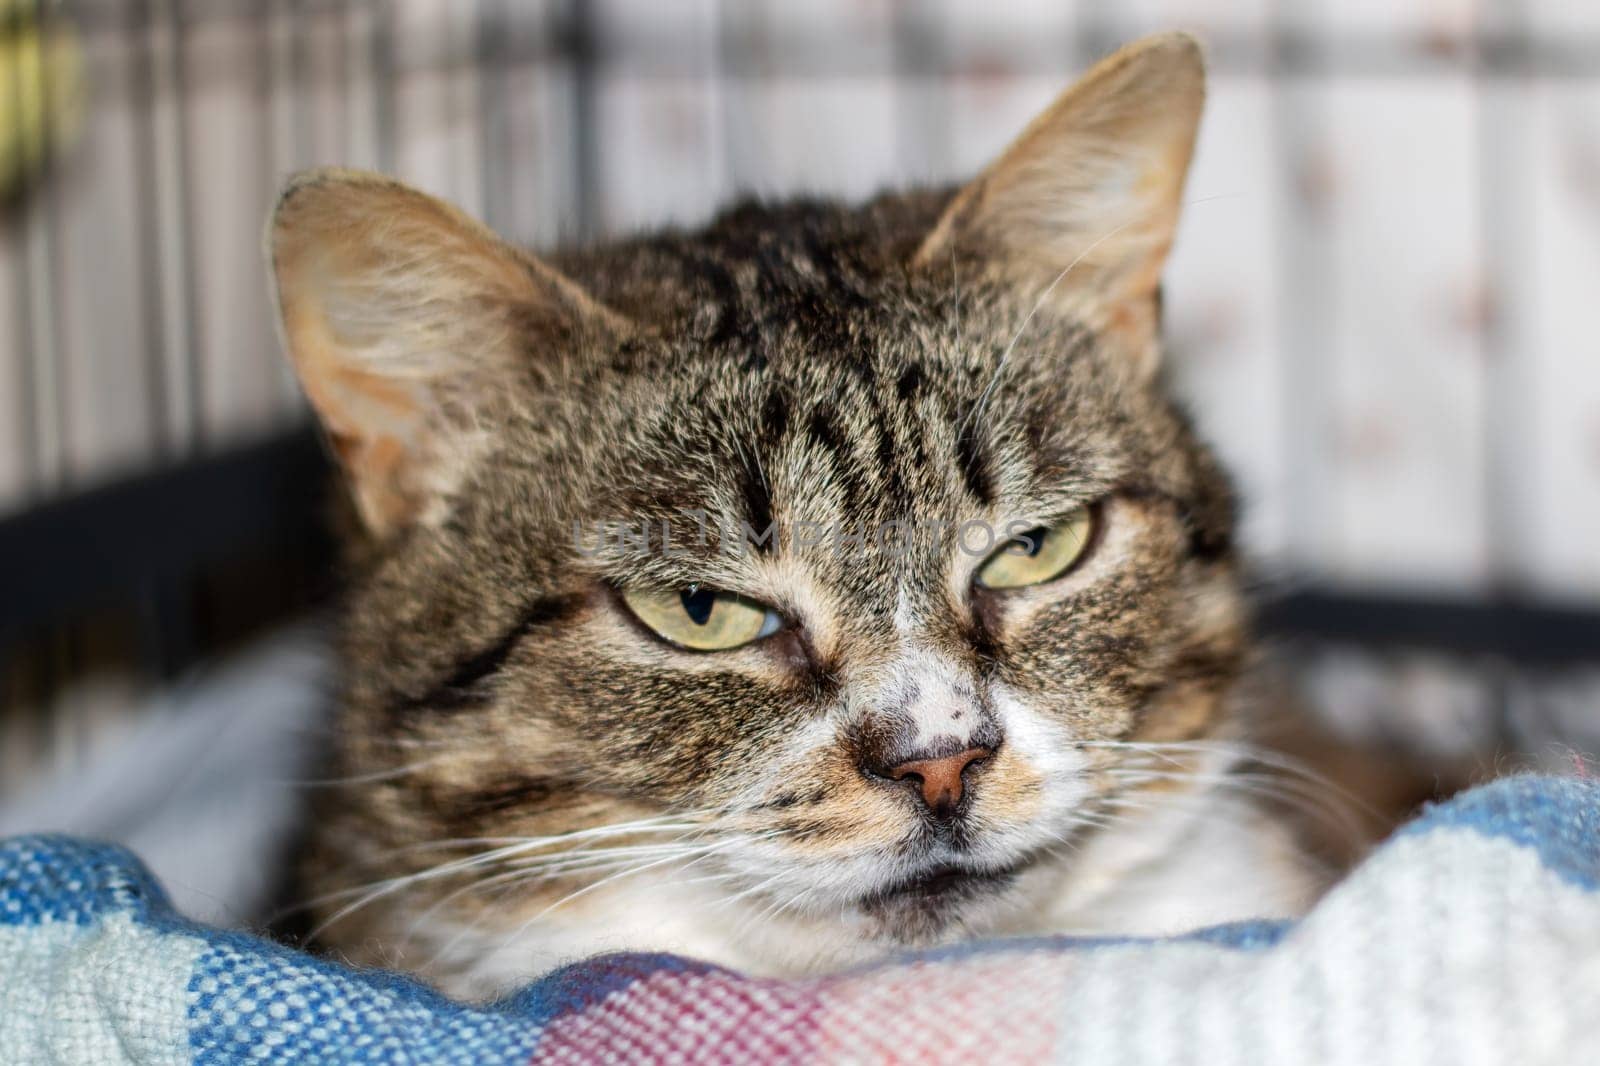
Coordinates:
824 582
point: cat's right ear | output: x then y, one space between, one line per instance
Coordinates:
407 322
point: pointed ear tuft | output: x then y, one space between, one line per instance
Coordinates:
1082 206
406 322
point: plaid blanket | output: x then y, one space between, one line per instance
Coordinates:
1473 935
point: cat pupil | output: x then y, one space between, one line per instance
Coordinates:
1034 539
697 604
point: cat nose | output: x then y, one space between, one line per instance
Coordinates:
938 780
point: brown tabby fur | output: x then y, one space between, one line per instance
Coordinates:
913 358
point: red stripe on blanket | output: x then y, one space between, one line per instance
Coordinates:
714 1018
976 1008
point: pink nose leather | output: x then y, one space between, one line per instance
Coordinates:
940 779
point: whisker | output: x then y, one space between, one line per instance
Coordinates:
658 823
631 872
1258 787
516 878
362 779
1249 753
518 846
557 869
994 379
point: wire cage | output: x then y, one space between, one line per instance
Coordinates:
1378 306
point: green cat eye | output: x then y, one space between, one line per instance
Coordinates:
702 620
1039 555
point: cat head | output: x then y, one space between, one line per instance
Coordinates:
833 560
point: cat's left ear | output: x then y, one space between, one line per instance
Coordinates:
1081 209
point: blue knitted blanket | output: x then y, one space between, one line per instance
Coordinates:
1473 935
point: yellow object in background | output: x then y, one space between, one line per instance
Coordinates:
41 90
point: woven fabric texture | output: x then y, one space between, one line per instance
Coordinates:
1472 935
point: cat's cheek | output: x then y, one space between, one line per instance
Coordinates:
1039 773
841 812
1011 793
1181 712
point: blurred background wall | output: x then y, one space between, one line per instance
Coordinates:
1380 305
